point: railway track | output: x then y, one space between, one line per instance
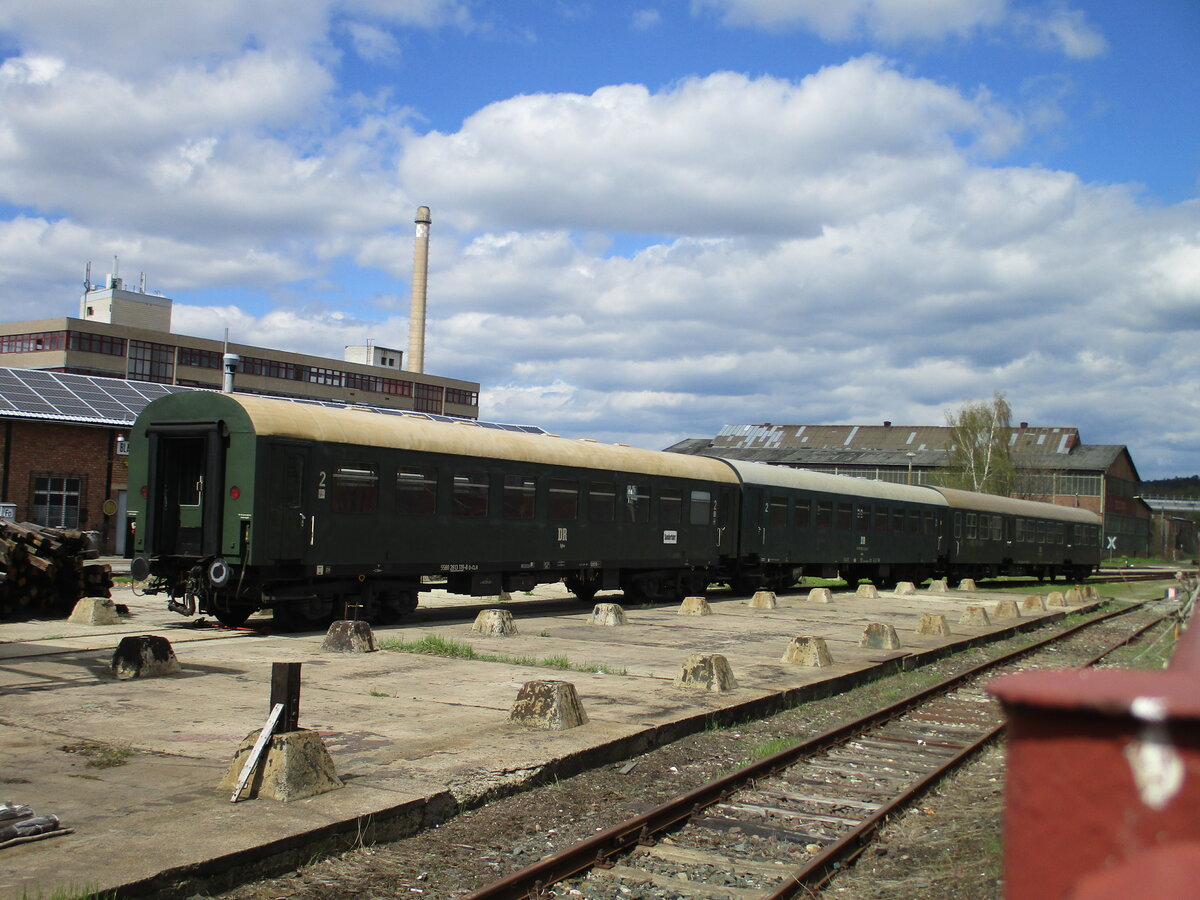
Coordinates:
739 836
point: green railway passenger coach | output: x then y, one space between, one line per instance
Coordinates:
250 502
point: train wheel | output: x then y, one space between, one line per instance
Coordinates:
234 616
391 608
305 615
584 591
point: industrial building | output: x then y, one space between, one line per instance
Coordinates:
1053 465
70 388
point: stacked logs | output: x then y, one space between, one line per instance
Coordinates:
44 571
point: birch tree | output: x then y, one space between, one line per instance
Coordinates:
980 458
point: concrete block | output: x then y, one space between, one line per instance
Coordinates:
820 595
694 606
807 651
549 705
1091 592
94 611
1055 598
708 672
867 592
1006 609
143 656
934 624
1074 597
608 614
904 588
347 636
938 586
967 584
1034 602
763 600
975 615
294 765
495 621
877 636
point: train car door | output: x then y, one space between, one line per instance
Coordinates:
184 511
290 525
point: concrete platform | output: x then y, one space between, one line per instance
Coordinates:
414 737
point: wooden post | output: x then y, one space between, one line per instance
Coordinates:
285 689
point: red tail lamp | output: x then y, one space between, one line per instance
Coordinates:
235 492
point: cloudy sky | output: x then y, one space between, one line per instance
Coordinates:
649 219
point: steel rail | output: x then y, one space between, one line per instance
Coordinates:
531 881
822 867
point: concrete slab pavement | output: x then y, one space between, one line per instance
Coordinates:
412 736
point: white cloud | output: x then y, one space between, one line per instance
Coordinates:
646 19
716 155
892 22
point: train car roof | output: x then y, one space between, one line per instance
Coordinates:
993 503
808 480
273 417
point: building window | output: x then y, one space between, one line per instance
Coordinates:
462 398
96 343
31 343
56 500
151 362
199 359
427 398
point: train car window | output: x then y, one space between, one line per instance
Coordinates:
355 488
700 509
602 501
985 527
637 502
862 518
997 528
971 523
564 500
470 494
670 506
881 518
416 490
824 514
1030 532
1041 532
1020 533
518 500
803 512
957 525
897 519
777 512
1077 534
1058 533
844 514
914 521
930 522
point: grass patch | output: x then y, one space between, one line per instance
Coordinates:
432 645
99 755
375 693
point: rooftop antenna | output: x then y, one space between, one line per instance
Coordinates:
142 283
230 363
87 277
